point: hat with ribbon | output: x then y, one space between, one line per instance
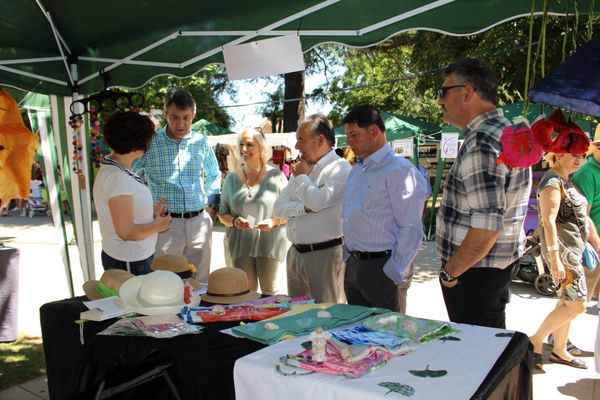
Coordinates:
109 284
570 139
229 285
159 292
177 264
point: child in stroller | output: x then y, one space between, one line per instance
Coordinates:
533 269
36 203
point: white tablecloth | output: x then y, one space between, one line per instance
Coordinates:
467 361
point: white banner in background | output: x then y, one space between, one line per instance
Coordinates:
449 145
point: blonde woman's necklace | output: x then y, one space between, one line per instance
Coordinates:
251 189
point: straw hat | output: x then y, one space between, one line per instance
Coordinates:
228 286
109 284
178 264
596 134
159 292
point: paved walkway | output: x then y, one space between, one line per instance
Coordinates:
42 279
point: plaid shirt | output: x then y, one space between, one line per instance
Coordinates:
479 193
186 173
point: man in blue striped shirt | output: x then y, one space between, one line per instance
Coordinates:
383 204
479 226
181 166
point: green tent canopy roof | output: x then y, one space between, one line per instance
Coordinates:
398 127
56 46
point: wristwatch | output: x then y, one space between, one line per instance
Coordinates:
446 277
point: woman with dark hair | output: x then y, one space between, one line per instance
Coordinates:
129 224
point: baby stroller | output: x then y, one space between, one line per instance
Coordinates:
533 269
36 203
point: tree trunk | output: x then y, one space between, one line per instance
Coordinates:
293 111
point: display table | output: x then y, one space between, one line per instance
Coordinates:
9 293
203 363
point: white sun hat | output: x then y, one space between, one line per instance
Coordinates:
159 292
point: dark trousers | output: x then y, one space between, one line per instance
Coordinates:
366 284
141 267
480 297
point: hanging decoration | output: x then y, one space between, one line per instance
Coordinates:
95 134
75 122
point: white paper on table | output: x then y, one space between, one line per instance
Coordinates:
251 221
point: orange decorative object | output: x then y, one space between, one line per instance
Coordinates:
17 148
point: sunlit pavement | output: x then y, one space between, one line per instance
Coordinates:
42 280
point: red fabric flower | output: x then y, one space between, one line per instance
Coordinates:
519 147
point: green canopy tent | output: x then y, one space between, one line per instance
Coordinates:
67 48
209 129
400 127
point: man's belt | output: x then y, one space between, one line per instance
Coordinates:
187 214
370 255
305 248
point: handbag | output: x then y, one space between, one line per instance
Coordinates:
589 257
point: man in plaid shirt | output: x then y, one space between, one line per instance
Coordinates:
479 226
181 167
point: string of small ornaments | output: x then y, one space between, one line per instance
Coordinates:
75 122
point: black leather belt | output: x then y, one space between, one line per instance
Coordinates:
370 255
187 214
305 248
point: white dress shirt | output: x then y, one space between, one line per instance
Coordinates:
322 192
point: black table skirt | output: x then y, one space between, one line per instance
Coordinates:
203 363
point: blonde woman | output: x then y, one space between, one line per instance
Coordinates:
254 240
563 233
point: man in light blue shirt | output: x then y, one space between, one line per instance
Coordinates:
382 209
181 166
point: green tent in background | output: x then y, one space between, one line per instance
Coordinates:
399 127
209 129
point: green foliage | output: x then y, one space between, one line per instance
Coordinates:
20 361
402 74
204 86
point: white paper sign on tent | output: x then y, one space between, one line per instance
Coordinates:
403 147
449 145
264 57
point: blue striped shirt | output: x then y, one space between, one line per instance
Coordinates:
186 173
480 193
382 209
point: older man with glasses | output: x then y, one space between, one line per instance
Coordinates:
479 227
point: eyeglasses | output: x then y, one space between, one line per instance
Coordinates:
442 91
596 145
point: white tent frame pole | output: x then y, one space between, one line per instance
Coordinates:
82 214
54 197
36 76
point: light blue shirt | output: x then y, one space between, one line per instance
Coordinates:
383 204
186 173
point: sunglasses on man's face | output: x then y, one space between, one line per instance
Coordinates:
444 89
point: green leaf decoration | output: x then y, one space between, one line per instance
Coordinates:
428 373
400 388
504 334
451 338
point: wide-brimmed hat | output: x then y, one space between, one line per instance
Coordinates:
229 285
159 292
570 139
109 284
178 264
